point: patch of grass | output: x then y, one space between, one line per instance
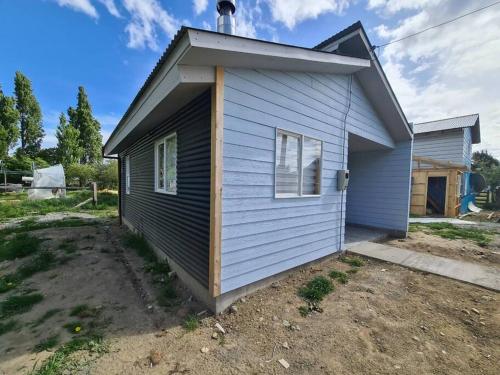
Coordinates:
191 323
20 246
8 326
340 276
316 289
452 232
105 201
60 362
49 314
39 263
84 311
18 304
68 246
353 261
46 344
158 268
75 327
352 271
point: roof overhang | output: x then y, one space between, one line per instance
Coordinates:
187 68
354 42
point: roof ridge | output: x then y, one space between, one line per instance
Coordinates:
447 118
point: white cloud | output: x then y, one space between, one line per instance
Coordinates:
394 6
111 7
147 17
448 71
206 25
200 6
245 20
292 12
84 6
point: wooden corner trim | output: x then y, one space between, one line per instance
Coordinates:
217 140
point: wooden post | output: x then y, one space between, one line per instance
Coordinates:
94 194
217 127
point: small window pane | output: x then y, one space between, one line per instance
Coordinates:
311 164
127 174
171 164
287 164
161 165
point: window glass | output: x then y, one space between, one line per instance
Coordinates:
127 174
171 164
160 154
287 164
311 166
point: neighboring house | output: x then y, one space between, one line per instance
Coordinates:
230 152
442 158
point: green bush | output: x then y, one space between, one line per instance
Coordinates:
80 174
107 175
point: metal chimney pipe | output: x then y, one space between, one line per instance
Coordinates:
226 23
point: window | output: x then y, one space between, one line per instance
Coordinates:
127 174
298 165
166 164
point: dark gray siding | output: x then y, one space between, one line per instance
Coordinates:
178 224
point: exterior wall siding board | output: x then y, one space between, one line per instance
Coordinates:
262 235
442 146
379 188
176 224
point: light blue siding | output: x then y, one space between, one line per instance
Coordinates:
443 146
262 235
379 187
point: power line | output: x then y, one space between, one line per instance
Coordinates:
438 25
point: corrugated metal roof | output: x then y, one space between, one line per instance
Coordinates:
467 121
445 124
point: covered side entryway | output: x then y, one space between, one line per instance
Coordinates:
378 195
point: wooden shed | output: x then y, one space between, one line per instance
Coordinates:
435 187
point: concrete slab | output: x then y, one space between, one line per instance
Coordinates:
355 235
486 277
450 220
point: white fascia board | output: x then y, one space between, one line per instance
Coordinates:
227 50
177 75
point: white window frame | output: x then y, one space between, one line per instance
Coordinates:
163 141
301 167
127 174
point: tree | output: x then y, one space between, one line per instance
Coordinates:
69 150
50 155
30 115
9 131
487 165
90 130
81 173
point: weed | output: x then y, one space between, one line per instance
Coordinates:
340 276
49 314
18 304
353 261
316 289
8 282
74 327
352 271
46 344
20 246
304 311
158 268
191 323
84 311
141 246
60 361
167 295
8 326
68 246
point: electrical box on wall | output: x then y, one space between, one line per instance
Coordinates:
342 179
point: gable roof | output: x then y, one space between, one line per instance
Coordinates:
354 41
459 122
198 48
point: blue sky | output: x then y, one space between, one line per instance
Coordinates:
110 46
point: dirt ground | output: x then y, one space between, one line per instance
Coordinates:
464 250
385 320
